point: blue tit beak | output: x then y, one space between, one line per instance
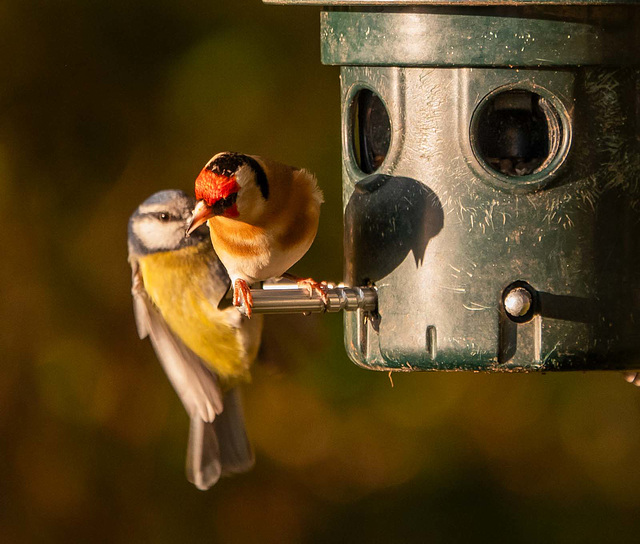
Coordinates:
201 213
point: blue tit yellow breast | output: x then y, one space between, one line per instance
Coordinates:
186 289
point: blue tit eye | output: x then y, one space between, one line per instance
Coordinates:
164 217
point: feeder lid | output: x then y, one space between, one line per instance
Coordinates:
330 3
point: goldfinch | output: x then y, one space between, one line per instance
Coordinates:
177 285
263 217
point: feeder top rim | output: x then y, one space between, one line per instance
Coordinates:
501 3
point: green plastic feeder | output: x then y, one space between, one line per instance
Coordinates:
491 181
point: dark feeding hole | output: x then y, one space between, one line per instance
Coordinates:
517 133
370 131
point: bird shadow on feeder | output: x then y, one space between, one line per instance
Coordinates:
386 218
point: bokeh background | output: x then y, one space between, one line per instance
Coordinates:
104 102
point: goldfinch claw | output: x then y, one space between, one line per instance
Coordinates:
319 287
242 296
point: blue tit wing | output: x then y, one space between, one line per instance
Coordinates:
218 442
221 447
194 383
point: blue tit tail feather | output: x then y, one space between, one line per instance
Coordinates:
219 448
203 454
236 454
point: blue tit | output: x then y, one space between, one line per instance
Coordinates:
178 283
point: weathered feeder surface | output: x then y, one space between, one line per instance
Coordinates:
491 181
330 3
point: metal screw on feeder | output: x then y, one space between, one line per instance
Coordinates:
517 302
484 141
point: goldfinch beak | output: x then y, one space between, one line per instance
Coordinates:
201 213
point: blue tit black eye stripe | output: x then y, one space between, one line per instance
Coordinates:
164 217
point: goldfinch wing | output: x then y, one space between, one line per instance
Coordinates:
194 383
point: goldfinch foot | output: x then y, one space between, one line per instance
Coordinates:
319 287
310 285
242 296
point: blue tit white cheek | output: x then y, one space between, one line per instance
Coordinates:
157 236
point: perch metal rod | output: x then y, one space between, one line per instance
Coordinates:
278 300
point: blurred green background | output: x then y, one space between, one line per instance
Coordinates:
103 103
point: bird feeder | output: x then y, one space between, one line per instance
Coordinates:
491 181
